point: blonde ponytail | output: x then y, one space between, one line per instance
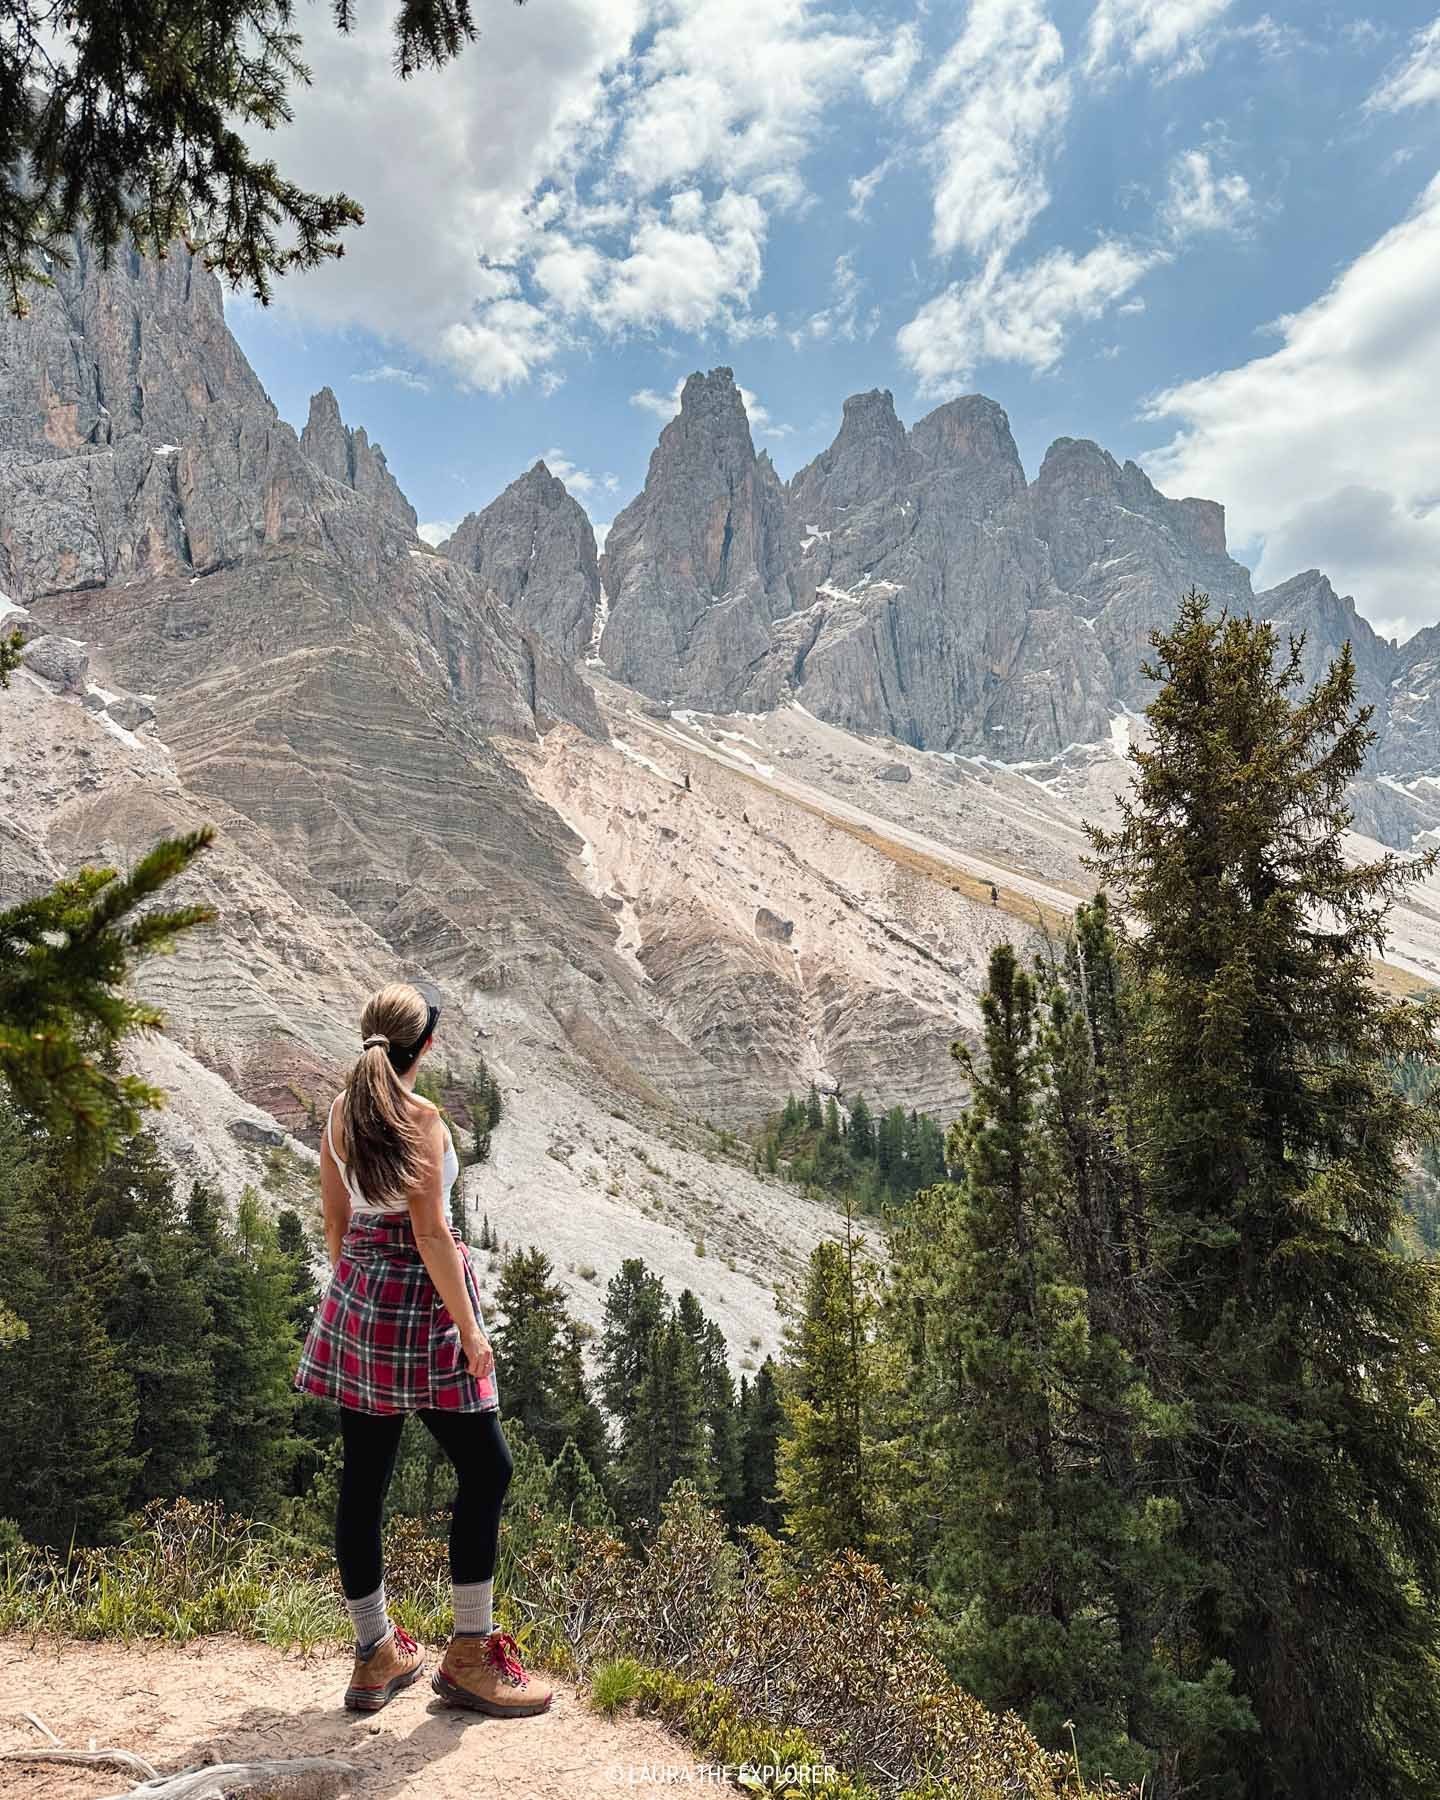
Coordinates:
384 1134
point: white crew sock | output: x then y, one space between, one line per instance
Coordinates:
474 1601
370 1619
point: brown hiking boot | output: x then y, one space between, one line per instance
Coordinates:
486 1674
377 1678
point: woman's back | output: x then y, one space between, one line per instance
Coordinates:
334 1132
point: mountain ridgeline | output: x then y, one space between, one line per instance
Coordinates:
914 583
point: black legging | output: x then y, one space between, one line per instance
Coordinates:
476 1446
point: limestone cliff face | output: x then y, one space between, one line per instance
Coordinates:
349 457
1124 553
533 549
913 583
694 569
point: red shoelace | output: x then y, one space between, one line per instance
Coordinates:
505 1654
404 1642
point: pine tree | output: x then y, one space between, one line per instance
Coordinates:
67 1407
665 1440
577 1492
156 1318
718 1402
137 124
253 1347
999 1310
1274 1143
862 1130
814 1114
832 1466
65 962
761 1423
539 1361
635 1308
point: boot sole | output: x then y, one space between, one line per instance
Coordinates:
458 1696
372 1699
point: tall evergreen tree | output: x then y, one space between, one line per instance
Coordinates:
67 1406
862 1129
1274 1144
832 1465
538 1360
253 1346
761 1423
156 1317
718 1401
636 1307
665 1439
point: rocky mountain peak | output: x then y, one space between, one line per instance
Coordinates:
870 456
694 567
348 456
534 548
970 436
1078 468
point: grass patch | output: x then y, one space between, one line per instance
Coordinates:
615 1684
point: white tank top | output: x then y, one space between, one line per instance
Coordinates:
358 1203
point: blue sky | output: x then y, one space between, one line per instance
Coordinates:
1203 232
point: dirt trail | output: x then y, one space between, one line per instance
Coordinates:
222 1700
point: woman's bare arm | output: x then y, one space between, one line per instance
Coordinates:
334 1200
440 1252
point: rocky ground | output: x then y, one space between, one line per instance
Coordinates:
220 1700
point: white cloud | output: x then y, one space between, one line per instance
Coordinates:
1002 95
664 406
435 531
616 171
841 319
738 89
1020 315
1326 451
887 77
1199 199
862 188
1170 34
601 533
1415 80
388 372
578 480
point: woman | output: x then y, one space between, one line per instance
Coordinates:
398 1331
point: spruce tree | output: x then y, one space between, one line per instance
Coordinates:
761 1423
253 1346
833 1467
1274 1145
67 1406
539 1362
636 1307
156 1317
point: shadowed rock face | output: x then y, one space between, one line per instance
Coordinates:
915 584
693 568
349 456
533 549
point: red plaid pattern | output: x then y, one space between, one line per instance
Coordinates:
382 1340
